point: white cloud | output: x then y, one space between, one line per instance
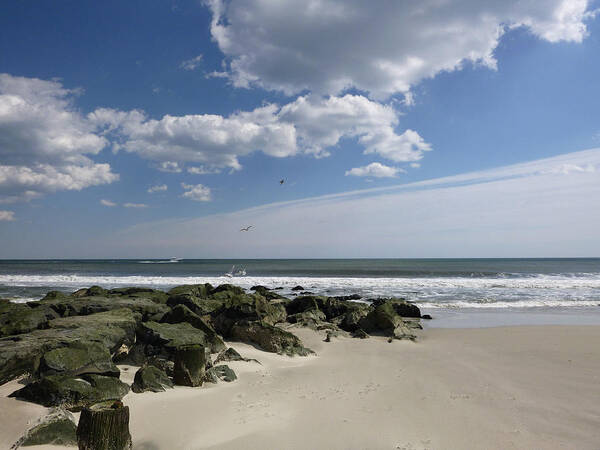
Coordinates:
375 169
518 210
307 125
157 188
107 203
7 216
135 205
44 141
380 47
202 170
196 192
191 64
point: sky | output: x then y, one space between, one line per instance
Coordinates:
157 128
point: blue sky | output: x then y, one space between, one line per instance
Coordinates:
211 103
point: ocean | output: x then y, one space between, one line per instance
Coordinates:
449 284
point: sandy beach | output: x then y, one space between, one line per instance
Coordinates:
488 388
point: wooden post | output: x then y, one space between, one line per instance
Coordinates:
190 363
104 426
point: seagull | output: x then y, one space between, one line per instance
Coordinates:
247 228
281 181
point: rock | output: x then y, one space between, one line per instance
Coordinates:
401 306
221 372
426 317
247 307
195 290
190 364
18 318
182 314
267 293
72 393
199 306
85 305
270 338
348 297
297 288
360 333
78 358
354 313
21 354
229 355
226 291
150 378
311 319
305 303
165 365
328 337
90 292
104 426
56 428
153 295
167 337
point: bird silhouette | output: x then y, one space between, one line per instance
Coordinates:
247 228
281 181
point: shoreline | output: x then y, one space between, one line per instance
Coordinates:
502 387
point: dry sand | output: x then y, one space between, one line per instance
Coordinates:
534 387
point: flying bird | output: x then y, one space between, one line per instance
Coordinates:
247 228
281 181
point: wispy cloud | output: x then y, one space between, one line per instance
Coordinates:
107 203
135 205
191 64
519 210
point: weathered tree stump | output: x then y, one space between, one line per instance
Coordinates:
104 426
190 362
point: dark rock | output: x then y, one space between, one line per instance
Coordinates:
221 372
305 303
401 306
56 428
306 293
190 365
170 336
229 355
224 291
267 293
78 358
360 333
18 318
297 288
134 355
21 354
72 393
195 290
150 378
182 314
91 292
354 313
247 307
165 365
270 338
311 318
348 297
259 288
199 306
426 317
153 295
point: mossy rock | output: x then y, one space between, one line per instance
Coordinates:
151 378
221 372
57 428
246 308
270 338
19 318
78 358
21 354
229 355
182 314
195 290
197 305
170 336
72 392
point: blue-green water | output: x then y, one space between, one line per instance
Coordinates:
432 283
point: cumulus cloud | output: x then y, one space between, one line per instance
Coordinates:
380 47
107 203
7 216
309 124
44 141
157 188
196 192
375 169
191 64
135 205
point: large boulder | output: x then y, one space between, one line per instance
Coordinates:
196 290
269 338
402 307
72 393
245 308
18 318
85 305
150 378
182 314
221 372
21 354
168 337
190 365
141 292
385 319
198 305
78 358
56 428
